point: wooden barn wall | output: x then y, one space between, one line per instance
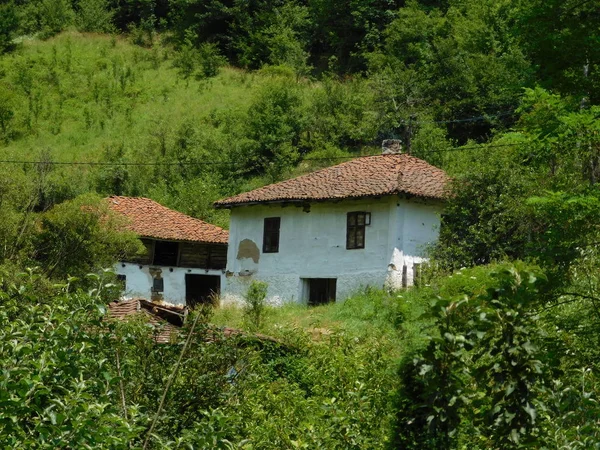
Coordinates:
206 256
209 256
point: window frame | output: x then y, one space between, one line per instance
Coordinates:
271 234
353 228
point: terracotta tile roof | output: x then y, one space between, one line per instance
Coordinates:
362 177
151 219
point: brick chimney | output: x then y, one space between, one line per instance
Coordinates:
391 147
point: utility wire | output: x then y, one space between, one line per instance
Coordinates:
465 120
222 163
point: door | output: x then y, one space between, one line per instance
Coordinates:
200 289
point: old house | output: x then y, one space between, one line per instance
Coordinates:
185 257
319 237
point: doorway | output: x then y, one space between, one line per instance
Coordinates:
318 291
200 289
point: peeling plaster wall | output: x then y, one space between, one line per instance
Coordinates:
417 226
139 280
313 245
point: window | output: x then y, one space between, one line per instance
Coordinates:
355 229
271 235
158 285
165 253
319 291
122 281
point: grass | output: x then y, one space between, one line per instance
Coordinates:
393 318
77 94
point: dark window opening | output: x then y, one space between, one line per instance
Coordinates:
320 291
165 253
355 229
271 235
201 289
158 285
404 276
122 281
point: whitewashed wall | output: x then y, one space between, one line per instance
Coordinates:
417 227
139 280
313 245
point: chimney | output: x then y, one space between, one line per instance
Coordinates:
391 147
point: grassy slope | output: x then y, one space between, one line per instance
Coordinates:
391 318
87 97
93 91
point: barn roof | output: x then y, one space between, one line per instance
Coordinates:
148 218
369 176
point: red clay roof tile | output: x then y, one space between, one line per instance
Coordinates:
362 177
163 331
153 220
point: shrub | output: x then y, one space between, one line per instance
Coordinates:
255 304
81 236
482 374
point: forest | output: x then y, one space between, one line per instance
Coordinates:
190 101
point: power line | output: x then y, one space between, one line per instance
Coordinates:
223 163
465 120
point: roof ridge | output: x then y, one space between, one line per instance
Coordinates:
372 175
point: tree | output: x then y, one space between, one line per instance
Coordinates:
95 16
561 39
9 24
275 122
461 62
81 236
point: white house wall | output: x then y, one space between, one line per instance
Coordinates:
417 229
313 245
138 282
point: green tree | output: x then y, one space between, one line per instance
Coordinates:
81 236
275 121
9 23
561 38
95 16
7 110
463 61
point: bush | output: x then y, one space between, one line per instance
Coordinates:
481 379
255 304
82 236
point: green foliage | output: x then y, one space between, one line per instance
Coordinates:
255 304
47 17
81 236
227 393
480 378
275 122
94 16
554 148
9 24
465 49
210 60
560 39
57 388
7 111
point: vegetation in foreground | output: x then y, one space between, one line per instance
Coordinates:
468 361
